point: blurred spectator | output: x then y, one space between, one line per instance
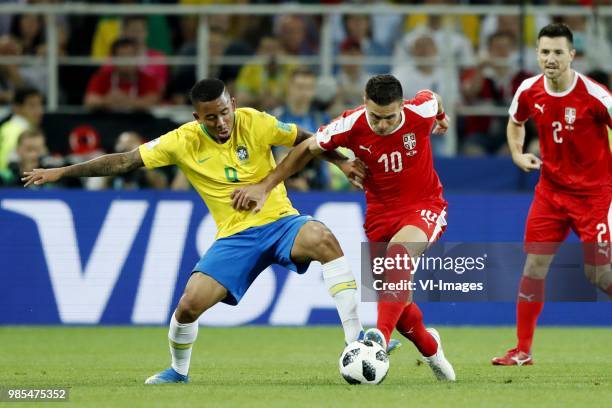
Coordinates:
27 113
292 32
139 178
351 78
423 70
493 82
185 30
109 28
358 28
73 79
29 33
30 150
299 109
31 153
384 28
246 32
136 28
10 75
227 37
262 83
461 49
591 45
426 71
122 87
467 24
512 24
28 30
185 75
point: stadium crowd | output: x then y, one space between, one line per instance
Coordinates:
491 54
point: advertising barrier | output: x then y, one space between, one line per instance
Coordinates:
75 257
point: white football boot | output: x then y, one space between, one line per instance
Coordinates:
442 369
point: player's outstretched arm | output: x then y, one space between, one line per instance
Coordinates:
107 165
516 138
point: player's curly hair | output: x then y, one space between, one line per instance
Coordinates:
384 89
206 90
557 30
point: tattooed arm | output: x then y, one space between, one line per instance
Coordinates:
107 165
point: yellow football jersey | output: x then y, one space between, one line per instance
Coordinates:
215 170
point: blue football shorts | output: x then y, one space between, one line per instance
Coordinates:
236 261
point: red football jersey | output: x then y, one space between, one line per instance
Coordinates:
572 130
402 175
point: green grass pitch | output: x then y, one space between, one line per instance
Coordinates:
298 367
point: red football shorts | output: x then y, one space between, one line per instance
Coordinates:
553 213
429 217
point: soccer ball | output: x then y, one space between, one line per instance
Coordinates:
364 362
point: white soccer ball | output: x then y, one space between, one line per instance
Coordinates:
364 362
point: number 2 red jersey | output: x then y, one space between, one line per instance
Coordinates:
572 130
402 176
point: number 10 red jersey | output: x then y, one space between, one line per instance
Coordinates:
402 176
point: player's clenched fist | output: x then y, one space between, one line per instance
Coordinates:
41 176
527 161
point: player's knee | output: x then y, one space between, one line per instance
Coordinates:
189 309
537 266
326 247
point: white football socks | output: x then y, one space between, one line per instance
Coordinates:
341 285
181 337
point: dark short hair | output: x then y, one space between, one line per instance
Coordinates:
120 43
557 30
22 94
207 90
384 89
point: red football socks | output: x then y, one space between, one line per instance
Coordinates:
388 315
529 305
410 325
391 303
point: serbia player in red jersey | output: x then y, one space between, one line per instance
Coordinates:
405 207
572 113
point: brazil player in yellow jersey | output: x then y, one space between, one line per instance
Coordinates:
222 149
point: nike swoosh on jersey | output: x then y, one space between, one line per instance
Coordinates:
200 161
